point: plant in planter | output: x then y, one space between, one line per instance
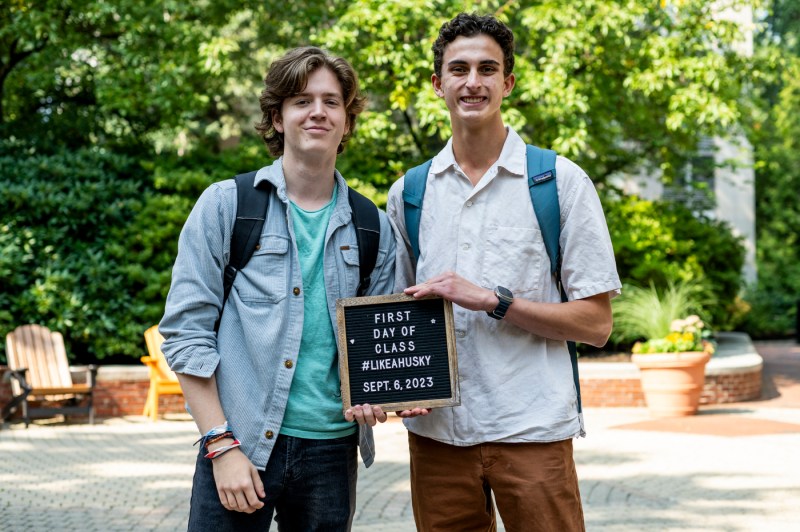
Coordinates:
673 367
648 312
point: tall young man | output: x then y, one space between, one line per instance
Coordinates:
264 390
481 248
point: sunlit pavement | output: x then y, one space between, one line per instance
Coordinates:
731 468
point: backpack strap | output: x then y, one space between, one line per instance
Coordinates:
251 211
413 193
368 234
544 196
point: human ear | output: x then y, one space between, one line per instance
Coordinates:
277 121
508 84
437 86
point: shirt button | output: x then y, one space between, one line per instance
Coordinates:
296 291
469 204
269 434
465 247
288 364
461 334
258 246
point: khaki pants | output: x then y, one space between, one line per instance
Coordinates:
534 484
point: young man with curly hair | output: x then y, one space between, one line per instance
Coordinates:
264 388
480 247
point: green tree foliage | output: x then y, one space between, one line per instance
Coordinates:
84 72
161 98
775 133
614 85
775 296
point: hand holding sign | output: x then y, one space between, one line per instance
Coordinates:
413 412
365 415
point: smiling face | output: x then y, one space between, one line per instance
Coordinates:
314 121
472 82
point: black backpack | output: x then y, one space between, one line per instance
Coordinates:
251 211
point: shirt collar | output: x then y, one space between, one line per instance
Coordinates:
274 174
512 157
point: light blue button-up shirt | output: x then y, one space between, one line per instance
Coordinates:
261 327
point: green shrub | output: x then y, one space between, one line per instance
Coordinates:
774 298
772 313
88 239
659 243
57 214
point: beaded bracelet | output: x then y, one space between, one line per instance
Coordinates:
217 452
222 436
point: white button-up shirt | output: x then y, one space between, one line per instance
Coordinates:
515 386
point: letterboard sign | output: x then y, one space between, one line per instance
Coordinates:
397 352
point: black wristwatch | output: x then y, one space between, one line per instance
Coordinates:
506 298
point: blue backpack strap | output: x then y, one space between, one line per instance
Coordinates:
544 196
413 193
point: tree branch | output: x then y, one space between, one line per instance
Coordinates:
412 132
15 58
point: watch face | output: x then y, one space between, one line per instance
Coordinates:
504 293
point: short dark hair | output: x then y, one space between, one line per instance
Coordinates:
288 76
469 25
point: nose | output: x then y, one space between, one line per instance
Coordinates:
473 79
318 109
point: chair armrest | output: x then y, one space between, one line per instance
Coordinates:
149 362
19 375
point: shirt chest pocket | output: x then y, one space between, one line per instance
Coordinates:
265 278
513 258
350 269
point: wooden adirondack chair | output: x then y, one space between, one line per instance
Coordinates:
162 379
40 371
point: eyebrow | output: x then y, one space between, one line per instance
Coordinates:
481 62
324 95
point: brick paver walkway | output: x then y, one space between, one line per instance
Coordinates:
129 474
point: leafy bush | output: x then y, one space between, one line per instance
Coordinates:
88 239
57 214
772 312
658 243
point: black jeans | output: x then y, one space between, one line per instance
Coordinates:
310 486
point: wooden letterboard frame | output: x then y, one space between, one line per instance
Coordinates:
397 352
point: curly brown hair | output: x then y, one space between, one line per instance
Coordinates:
288 76
469 25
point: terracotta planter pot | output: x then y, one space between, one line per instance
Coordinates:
672 382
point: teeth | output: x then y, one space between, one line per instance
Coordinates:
472 100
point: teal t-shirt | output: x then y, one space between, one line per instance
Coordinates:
314 409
